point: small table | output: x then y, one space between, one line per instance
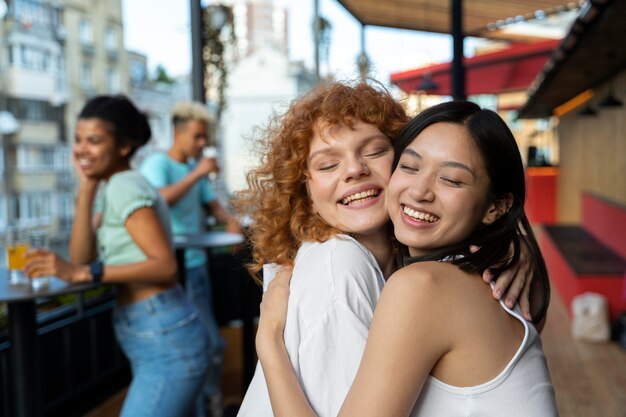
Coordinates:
23 337
206 240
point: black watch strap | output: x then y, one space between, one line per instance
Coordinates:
96 268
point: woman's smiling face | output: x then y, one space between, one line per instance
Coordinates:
438 194
348 172
95 149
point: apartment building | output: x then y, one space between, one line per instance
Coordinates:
54 55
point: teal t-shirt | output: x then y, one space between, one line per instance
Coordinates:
123 194
161 171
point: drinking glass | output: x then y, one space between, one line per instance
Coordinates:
16 246
38 239
210 152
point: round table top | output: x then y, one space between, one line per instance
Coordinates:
207 240
24 292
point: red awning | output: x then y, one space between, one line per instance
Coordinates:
510 69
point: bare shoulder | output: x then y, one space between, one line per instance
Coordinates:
426 275
431 285
416 302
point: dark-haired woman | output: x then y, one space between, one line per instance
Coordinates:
155 324
438 345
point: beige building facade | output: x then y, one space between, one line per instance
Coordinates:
54 55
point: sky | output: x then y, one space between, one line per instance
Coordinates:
162 33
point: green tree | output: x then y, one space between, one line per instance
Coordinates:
162 76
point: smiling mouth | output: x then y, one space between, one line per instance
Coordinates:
360 197
418 215
84 162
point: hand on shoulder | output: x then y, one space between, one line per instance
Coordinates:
274 311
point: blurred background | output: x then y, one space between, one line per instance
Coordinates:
554 70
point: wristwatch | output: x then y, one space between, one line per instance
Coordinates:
96 268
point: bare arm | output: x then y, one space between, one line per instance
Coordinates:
382 375
146 230
280 376
397 361
83 237
172 193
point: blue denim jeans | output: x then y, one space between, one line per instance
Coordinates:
198 288
168 349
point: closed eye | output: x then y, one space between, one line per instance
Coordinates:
377 153
407 168
328 167
452 182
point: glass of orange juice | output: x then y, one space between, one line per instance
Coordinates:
16 245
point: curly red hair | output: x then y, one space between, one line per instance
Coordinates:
276 198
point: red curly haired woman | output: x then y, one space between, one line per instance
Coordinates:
317 203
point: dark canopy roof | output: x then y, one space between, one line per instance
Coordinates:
592 52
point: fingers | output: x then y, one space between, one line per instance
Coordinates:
514 290
488 276
37 267
36 252
40 262
503 283
524 301
208 165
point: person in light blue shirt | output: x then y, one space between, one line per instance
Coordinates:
181 176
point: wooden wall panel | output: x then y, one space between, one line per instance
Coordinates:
593 154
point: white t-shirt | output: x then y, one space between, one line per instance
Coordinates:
334 289
522 389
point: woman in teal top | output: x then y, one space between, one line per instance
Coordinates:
129 245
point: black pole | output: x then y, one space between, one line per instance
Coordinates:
25 363
197 66
458 67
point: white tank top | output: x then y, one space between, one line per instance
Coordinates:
522 389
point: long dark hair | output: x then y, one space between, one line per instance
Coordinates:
505 169
130 126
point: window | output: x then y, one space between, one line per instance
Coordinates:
113 80
137 72
35 110
65 207
84 32
28 158
42 157
32 58
85 75
34 13
110 39
63 158
33 208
